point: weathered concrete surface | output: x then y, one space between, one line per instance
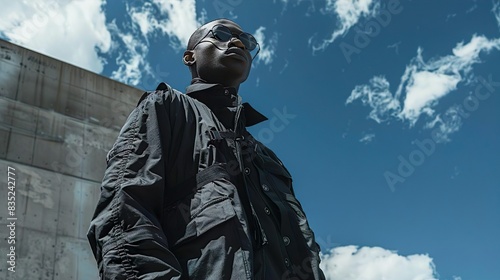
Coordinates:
57 122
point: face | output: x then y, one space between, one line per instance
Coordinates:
227 63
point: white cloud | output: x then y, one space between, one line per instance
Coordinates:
175 18
181 19
367 138
423 90
143 17
267 48
469 53
446 124
348 13
426 83
375 263
131 61
378 96
72 31
423 84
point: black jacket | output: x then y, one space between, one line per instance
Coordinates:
189 194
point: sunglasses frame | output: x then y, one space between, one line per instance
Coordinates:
214 35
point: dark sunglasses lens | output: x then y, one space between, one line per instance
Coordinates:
222 33
249 41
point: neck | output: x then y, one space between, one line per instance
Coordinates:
200 80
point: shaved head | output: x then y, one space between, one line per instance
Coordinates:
204 29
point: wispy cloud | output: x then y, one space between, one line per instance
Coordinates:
72 31
308 12
423 84
143 18
131 60
496 11
367 138
471 9
447 123
395 46
375 263
378 96
175 18
348 13
267 48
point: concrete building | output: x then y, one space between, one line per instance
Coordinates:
57 122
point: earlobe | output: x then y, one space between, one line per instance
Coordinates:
188 58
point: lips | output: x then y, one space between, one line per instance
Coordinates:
238 51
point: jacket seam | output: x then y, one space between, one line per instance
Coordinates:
119 235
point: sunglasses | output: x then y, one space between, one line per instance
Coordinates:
223 34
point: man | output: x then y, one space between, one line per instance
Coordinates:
189 193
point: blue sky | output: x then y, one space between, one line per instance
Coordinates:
384 112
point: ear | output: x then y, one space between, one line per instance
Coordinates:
189 58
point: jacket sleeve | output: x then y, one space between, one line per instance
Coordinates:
125 232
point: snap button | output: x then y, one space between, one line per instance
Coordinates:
268 212
287 262
247 171
286 240
226 92
265 187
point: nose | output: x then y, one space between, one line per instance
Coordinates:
236 42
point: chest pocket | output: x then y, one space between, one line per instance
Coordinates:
189 212
202 228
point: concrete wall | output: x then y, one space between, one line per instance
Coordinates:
57 122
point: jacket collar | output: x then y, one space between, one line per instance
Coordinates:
218 97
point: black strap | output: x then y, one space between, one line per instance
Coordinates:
220 135
189 186
210 174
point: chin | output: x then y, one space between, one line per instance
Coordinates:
242 78
237 75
